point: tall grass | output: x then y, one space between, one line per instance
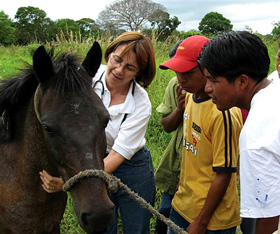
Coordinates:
14 57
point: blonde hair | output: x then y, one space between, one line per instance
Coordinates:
142 46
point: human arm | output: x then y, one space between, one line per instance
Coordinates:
267 225
129 136
113 161
223 130
214 197
171 121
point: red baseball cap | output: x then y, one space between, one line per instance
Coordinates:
186 55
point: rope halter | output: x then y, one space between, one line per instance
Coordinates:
36 103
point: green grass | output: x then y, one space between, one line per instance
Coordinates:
12 58
272 51
69 223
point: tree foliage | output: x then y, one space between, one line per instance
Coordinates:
247 28
32 25
189 34
88 28
128 14
214 23
276 29
160 20
67 27
7 30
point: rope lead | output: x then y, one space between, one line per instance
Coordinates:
114 184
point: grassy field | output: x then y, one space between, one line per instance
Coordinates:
14 57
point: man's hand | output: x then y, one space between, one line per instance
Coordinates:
196 228
181 95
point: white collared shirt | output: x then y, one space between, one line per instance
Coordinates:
128 137
273 76
259 145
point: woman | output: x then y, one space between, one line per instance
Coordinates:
130 65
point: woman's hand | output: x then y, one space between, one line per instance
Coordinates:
51 184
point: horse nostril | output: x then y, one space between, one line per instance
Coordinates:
84 219
93 222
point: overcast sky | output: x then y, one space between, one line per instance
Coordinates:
258 15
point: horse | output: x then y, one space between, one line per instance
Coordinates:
52 119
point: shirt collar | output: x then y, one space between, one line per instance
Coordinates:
129 104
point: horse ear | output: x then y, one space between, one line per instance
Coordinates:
42 65
93 59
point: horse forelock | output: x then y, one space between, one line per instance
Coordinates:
70 76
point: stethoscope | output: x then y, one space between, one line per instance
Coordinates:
100 81
103 90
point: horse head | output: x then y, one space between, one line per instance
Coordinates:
72 120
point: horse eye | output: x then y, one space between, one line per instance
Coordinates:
48 129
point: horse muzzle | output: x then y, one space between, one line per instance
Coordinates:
95 222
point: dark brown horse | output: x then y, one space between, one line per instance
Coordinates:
65 136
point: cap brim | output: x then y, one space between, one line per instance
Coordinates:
178 65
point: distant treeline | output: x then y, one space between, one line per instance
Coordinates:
31 25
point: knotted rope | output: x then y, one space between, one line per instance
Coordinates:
114 184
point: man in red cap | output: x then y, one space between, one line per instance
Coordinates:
206 200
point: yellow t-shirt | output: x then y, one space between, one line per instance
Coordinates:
210 145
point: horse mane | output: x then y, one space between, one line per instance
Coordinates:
16 91
70 75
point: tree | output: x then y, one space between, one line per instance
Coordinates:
87 26
247 28
157 18
32 25
7 30
276 29
161 21
125 14
67 27
214 23
192 32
